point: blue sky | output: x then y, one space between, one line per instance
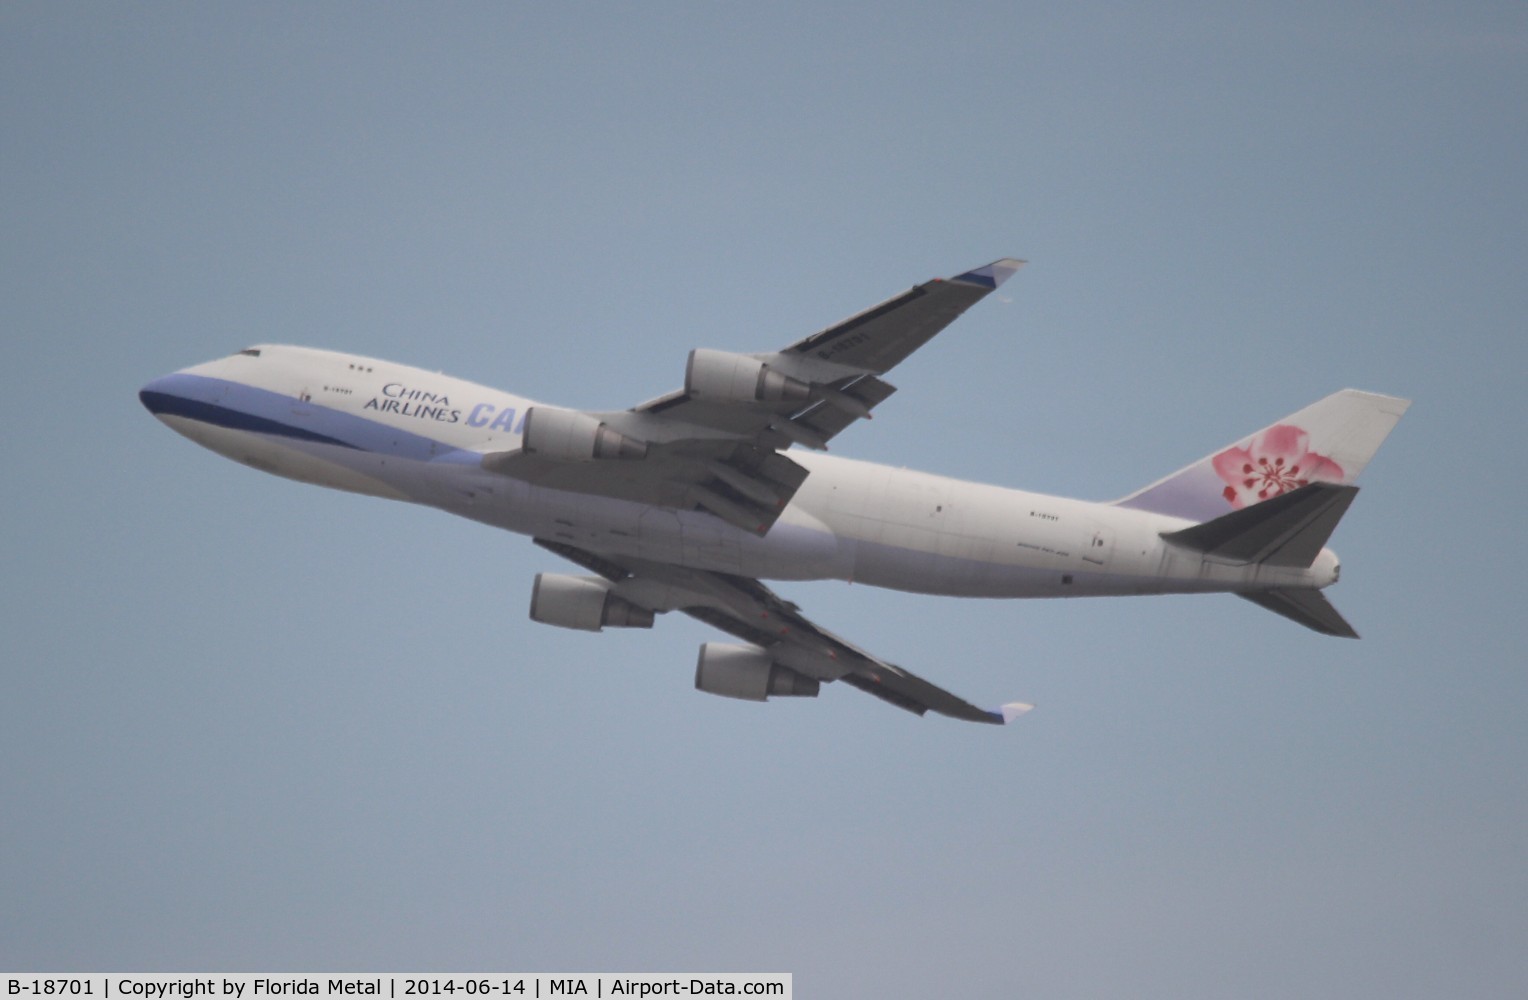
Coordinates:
252 725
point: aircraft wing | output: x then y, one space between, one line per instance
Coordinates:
839 364
718 443
747 609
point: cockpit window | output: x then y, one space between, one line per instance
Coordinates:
253 352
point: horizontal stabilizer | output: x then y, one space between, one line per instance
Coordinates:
1288 530
1306 606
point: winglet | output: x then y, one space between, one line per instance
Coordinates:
993 274
1007 713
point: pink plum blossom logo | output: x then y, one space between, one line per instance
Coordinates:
1276 461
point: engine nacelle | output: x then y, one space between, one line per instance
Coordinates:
747 672
737 378
571 436
583 602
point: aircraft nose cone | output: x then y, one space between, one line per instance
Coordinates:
157 396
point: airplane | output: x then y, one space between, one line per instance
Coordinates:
688 502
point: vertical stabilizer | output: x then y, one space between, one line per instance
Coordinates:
1329 441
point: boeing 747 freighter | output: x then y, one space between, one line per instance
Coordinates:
689 501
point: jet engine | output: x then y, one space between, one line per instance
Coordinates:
583 602
747 672
737 378
571 436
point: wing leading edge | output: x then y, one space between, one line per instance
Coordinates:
788 653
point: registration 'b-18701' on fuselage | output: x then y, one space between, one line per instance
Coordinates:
687 502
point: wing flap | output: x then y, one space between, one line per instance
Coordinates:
827 420
916 695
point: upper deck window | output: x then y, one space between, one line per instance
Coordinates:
253 352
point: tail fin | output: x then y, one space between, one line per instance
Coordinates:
1329 441
1287 530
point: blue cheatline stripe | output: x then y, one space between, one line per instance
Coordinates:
235 405
164 404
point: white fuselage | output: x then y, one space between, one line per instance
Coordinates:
389 430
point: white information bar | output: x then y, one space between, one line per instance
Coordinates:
392 986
